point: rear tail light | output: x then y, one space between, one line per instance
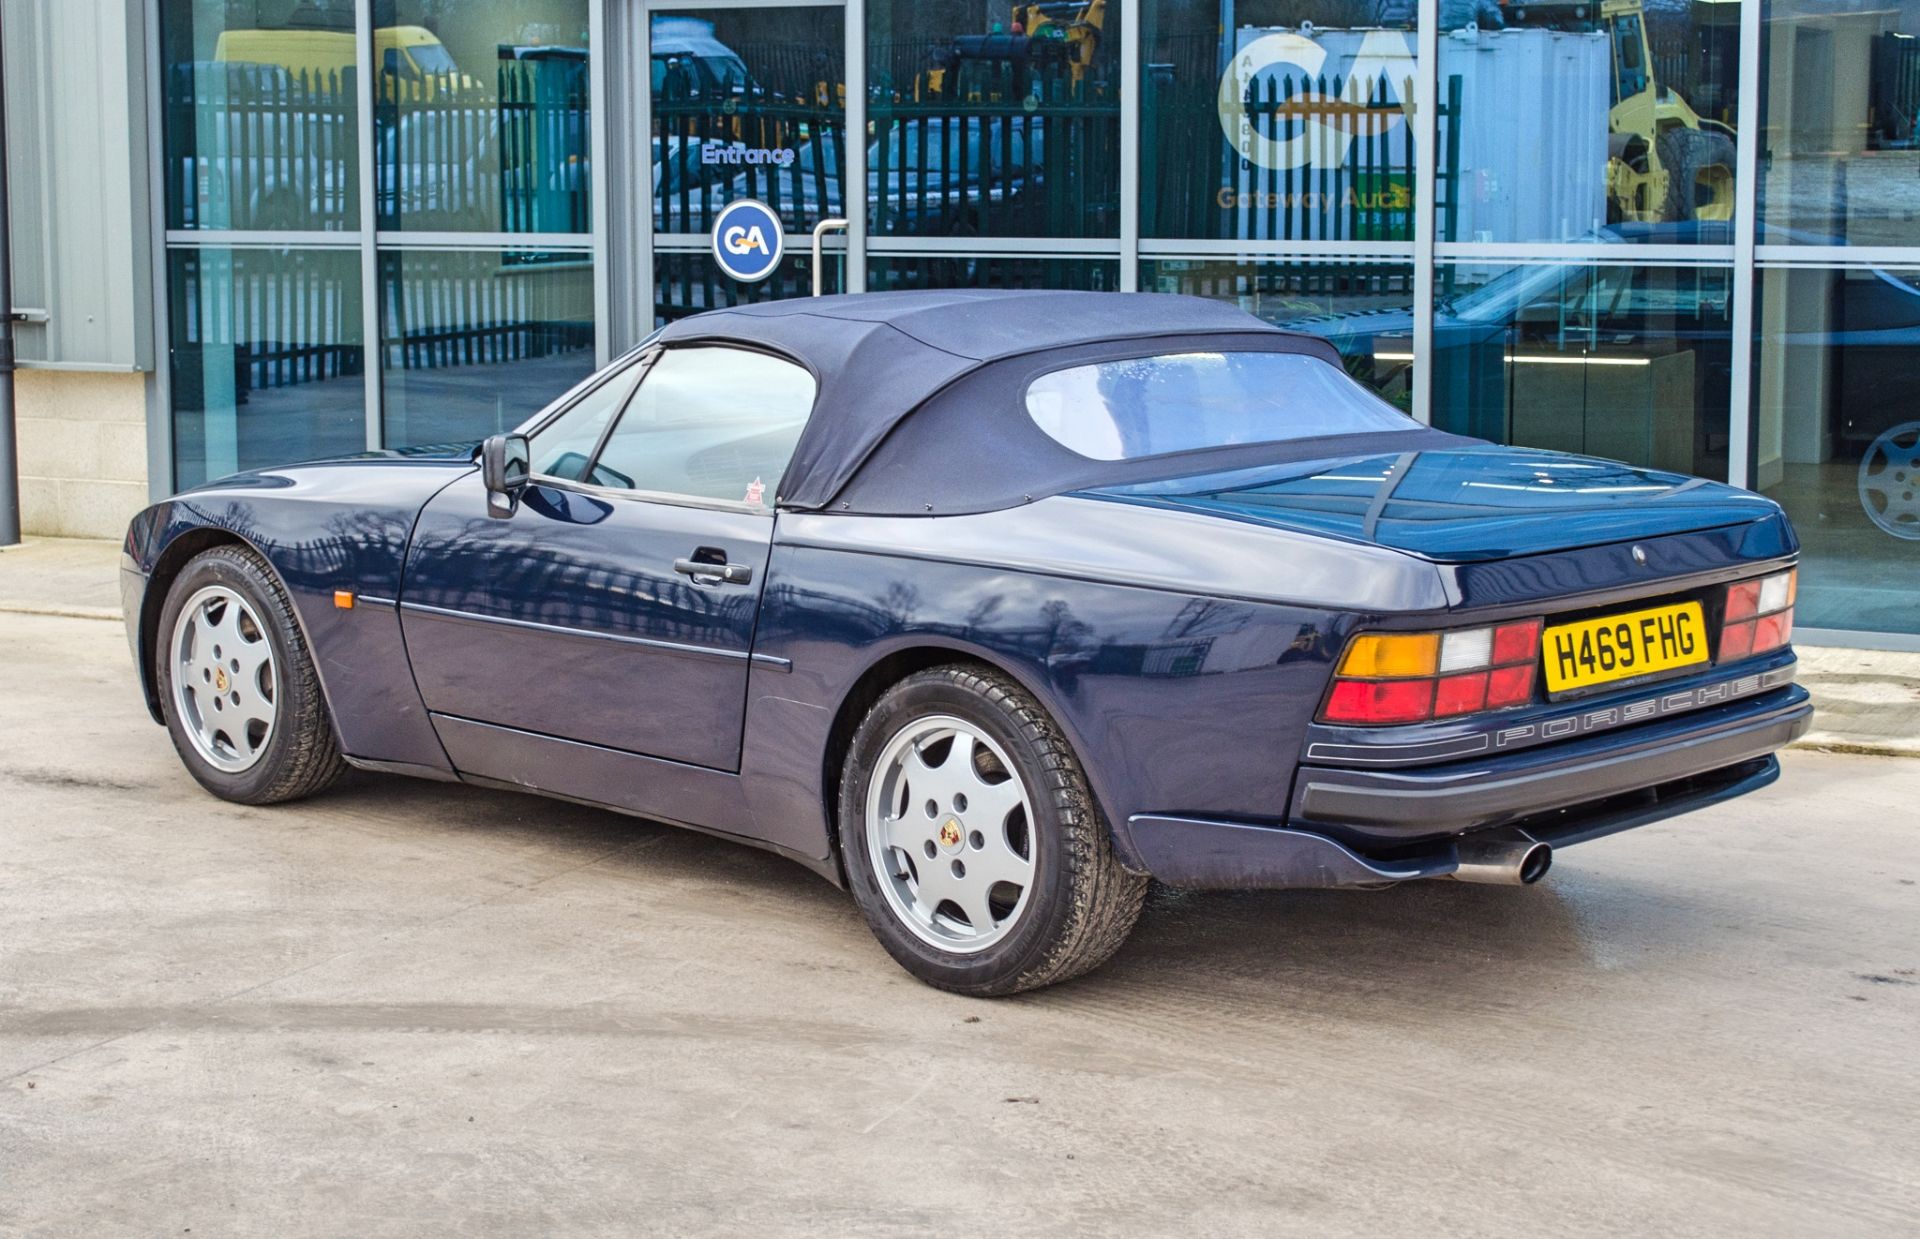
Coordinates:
1415 676
1759 615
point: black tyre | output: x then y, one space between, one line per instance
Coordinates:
972 842
1699 165
237 684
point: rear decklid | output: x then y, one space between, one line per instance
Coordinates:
1461 506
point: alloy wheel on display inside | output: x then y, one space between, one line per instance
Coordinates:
225 684
1890 481
950 834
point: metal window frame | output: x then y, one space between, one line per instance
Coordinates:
1131 55
1746 201
1037 247
599 150
372 335
545 242
1584 254
1426 104
1837 256
1257 251
854 265
160 461
1425 252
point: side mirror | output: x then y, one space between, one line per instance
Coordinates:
505 465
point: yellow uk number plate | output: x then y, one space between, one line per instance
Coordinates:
1620 647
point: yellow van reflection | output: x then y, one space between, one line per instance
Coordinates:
409 55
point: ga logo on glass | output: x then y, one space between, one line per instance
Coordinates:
743 240
1328 122
747 239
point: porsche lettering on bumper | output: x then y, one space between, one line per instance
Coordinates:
1641 711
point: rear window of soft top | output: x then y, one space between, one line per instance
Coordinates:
1183 402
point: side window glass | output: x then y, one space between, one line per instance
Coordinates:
710 423
563 447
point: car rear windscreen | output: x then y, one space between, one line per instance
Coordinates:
1181 402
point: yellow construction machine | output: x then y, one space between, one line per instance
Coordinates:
1052 32
1666 162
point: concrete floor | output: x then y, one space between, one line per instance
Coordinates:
62 576
406 1008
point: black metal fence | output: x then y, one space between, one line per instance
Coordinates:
992 145
776 134
1447 183
255 319
440 309
510 156
255 146
687 283
246 320
705 159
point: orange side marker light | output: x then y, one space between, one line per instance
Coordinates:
343 598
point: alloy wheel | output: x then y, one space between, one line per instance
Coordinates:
1890 481
224 679
950 833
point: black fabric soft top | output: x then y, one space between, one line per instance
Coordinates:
879 357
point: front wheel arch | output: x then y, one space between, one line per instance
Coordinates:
166 569
298 754
168 566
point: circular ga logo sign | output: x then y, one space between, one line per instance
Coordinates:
747 240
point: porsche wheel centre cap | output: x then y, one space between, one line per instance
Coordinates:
951 834
220 679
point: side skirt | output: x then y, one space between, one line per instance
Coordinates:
691 797
411 769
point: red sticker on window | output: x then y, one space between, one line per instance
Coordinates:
755 490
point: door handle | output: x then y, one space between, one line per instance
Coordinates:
731 574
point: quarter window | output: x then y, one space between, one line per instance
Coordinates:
709 423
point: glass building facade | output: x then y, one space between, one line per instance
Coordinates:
1679 233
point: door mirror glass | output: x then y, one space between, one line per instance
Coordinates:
504 471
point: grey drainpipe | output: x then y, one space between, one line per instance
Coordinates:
9 444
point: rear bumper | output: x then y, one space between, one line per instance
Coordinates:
1204 855
1359 827
1408 806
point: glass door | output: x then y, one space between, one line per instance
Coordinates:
744 102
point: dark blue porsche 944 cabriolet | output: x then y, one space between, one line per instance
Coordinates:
991 606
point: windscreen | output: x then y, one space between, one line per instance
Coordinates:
1182 402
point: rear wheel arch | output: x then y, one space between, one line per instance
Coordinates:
1031 899
898 665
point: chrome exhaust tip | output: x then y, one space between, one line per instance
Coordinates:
1505 860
